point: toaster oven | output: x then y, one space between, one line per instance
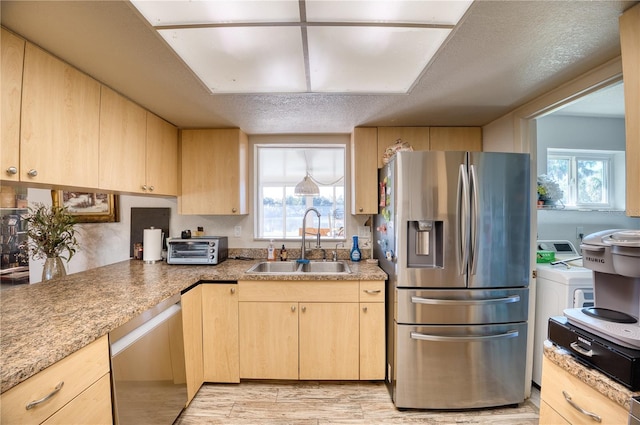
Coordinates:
199 250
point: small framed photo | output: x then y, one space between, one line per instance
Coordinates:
88 207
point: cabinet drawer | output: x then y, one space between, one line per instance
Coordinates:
372 291
77 371
555 380
299 291
548 416
92 406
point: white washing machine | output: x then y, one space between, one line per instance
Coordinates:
558 286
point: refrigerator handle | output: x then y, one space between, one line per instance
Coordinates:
462 212
436 301
475 219
463 338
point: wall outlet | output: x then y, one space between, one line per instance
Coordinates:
237 231
579 232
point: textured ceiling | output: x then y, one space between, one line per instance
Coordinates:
502 55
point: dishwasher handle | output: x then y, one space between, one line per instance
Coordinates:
122 343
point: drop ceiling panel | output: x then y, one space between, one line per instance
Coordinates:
405 11
174 12
369 59
242 59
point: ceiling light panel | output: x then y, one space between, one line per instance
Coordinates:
370 59
178 12
242 59
444 12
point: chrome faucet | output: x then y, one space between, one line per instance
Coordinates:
334 254
304 231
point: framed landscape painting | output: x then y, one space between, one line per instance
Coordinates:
88 207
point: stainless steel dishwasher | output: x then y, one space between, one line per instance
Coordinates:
147 366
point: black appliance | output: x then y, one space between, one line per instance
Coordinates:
620 363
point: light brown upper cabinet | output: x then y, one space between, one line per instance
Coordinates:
417 137
123 131
214 172
11 94
59 136
364 170
138 150
162 157
455 138
630 44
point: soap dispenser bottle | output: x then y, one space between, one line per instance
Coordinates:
283 253
356 255
271 252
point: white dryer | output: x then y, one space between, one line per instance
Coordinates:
558 286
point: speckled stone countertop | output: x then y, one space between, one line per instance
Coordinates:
595 379
45 322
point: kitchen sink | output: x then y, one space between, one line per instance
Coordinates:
292 267
326 267
275 267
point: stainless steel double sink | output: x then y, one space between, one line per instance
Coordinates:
293 267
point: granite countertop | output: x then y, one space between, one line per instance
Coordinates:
45 322
592 377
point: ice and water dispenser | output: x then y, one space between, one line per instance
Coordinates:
425 244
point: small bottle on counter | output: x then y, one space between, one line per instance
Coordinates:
283 253
356 255
271 252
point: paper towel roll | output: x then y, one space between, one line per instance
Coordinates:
152 245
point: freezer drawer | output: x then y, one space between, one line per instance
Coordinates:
460 367
461 307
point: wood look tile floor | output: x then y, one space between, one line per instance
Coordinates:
324 403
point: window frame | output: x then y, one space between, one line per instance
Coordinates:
258 233
573 156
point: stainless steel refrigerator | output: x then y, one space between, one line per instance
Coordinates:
452 233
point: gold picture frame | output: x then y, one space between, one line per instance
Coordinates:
88 207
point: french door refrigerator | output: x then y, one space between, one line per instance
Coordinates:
453 235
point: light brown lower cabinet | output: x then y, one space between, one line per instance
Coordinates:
565 396
77 387
268 340
192 334
220 332
312 330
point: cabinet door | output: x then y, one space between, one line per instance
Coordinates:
162 157
268 340
192 335
59 137
220 333
455 138
11 94
417 137
123 135
329 341
630 45
364 171
214 172
372 341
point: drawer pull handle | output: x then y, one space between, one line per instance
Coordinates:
580 409
34 403
372 291
576 347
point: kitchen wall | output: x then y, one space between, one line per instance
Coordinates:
107 243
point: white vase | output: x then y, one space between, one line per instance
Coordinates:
53 268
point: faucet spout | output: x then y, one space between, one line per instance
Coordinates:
304 231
